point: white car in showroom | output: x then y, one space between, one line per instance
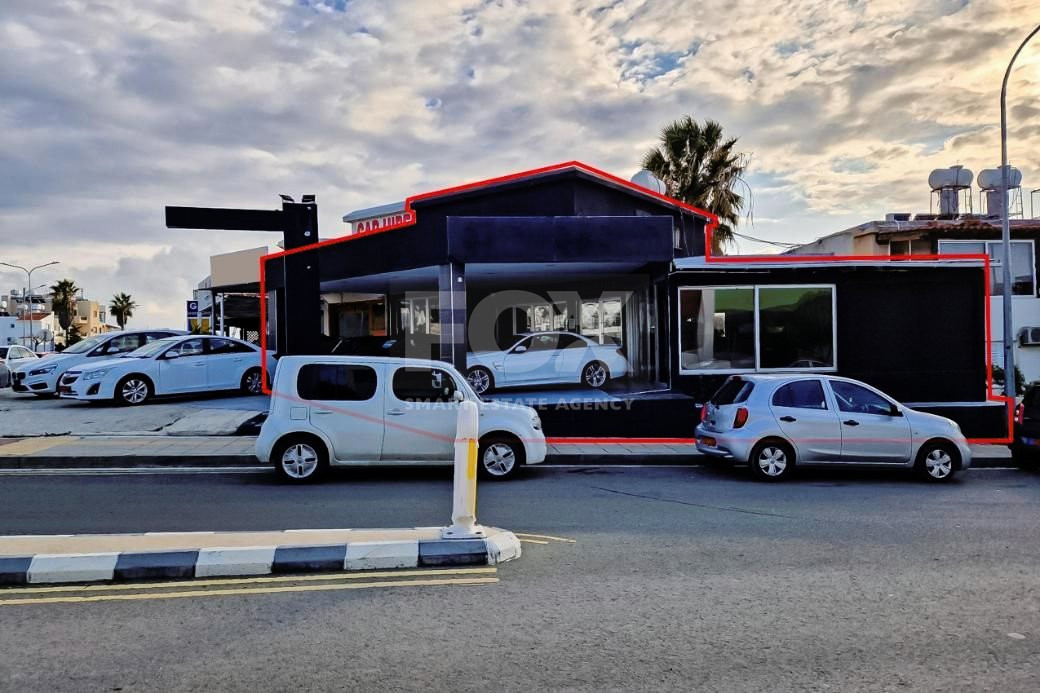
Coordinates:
170 366
546 358
775 422
41 376
363 410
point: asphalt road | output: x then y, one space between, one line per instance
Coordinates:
679 579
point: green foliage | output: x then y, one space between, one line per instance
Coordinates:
699 167
122 308
63 303
998 378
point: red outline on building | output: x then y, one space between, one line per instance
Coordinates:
709 228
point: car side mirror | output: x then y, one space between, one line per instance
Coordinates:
172 355
457 396
895 411
519 350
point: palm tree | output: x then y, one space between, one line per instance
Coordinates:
699 167
122 307
63 303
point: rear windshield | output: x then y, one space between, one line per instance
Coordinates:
733 391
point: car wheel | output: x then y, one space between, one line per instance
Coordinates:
771 460
594 374
252 382
133 390
499 457
300 460
480 379
936 461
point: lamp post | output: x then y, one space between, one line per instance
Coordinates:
28 298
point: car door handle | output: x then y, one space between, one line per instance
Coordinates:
395 412
199 365
851 422
321 411
788 419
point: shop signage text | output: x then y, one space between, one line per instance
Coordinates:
383 222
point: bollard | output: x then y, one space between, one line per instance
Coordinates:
464 494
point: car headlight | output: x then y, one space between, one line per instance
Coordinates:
43 371
94 375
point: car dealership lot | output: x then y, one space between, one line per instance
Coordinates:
837 580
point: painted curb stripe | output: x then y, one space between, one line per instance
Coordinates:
453 552
14 570
155 564
305 559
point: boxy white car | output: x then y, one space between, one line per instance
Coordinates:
171 366
41 376
546 358
356 410
774 422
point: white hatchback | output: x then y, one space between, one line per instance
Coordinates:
171 366
356 410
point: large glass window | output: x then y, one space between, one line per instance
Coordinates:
336 383
717 329
756 328
1023 267
601 320
796 327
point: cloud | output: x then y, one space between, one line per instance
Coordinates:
109 111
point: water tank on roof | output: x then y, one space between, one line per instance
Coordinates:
649 181
990 178
952 177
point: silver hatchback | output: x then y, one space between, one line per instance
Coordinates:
773 422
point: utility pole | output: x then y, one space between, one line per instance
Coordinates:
27 325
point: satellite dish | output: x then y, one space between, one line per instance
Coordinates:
645 179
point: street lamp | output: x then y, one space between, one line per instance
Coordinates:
1009 346
28 273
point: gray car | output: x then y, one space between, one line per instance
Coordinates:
774 422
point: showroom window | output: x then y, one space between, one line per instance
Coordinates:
756 328
327 382
540 317
1023 268
601 320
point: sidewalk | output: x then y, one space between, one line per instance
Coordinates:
98 451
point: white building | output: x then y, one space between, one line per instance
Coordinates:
36 333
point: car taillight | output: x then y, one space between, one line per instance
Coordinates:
1020 411
704 412
741 418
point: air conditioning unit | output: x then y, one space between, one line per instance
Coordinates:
1029 336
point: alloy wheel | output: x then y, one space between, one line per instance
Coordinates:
299 461
772 461
499 459
134 391
938 463
479 380
253 382
595 375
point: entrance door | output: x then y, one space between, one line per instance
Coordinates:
421 414
873 428
801 410
345 402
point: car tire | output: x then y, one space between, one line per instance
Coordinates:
595 374
936 461
771 460
480 379
300 459
252 382
133 390
499 457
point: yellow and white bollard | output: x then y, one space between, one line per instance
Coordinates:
464 496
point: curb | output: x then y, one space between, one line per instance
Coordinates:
499 547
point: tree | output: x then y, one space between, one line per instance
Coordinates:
63 303
699 167
122 308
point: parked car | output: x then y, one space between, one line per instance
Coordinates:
1025 446
356 410
41 377
5 376
775 422
543 358
169 366
14 355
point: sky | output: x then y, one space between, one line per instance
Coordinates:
111 109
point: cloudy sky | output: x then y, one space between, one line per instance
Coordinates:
111 109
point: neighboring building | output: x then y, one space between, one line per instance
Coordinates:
963 235
37 332
90 319
14 303
227 300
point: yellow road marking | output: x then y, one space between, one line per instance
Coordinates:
545 536
533 541
28 446
249 590
246 581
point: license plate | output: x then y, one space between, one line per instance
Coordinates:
62 389
709 441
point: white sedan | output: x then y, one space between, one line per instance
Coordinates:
171 366
544 358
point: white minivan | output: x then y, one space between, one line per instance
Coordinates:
356 410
